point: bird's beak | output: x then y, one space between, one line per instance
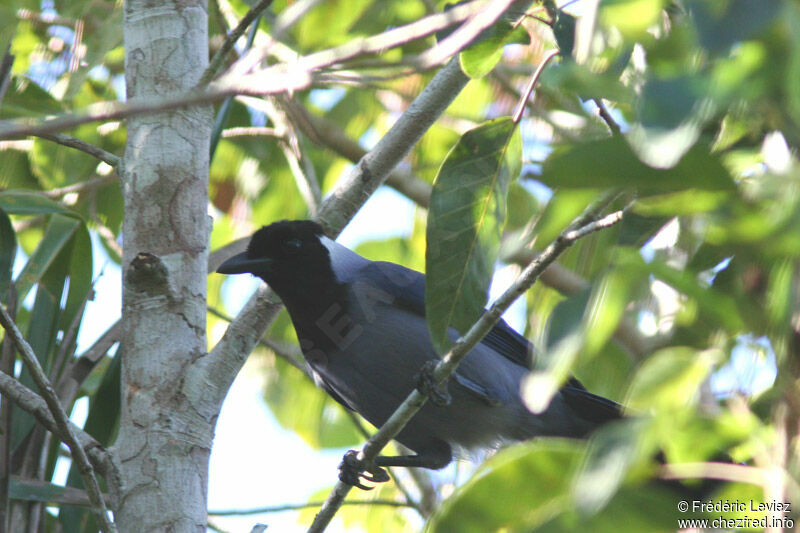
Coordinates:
241 264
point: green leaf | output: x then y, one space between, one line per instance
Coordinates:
613 449
26 99
611 163
481 57
29 203
34 490
8 251
724 23
671 378
631 17
58 233
519 487
465 220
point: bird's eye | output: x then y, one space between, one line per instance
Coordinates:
292 245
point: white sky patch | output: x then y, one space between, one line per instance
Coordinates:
256 463
776 153
386 214
666 237
752 368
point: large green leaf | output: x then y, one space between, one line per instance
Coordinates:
29 203
521 486
58 233
8 251
612 163
671 378
465 220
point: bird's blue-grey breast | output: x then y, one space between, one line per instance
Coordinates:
361 326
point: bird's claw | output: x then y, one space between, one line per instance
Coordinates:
352 470
427 385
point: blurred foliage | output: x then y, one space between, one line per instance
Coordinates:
684 312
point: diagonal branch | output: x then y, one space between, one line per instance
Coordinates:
586 223
215 65
63 425
83 146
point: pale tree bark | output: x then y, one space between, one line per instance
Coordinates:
165 438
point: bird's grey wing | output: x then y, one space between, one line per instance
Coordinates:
589 406
407 287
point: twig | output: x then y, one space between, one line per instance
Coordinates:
323 132
250 132
83 146
284 77
723 471
290 15
583 225
606 116
290 146
464 35
301 69
523 102
7 358
281 351
79 187
65 431
79 370
215 65
299 506
32 403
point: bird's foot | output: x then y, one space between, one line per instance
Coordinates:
437 392
352 470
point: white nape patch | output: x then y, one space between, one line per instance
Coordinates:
344 261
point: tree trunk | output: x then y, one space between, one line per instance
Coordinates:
164 441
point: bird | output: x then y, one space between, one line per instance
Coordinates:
362 330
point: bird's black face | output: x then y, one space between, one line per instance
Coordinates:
288 255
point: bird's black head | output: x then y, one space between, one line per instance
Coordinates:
289 256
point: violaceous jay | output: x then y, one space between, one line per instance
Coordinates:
362 329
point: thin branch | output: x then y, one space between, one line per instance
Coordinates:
606 116
711 470
244 82
33 404
79 370
464 35
299 506
7 358
80 187
63 424
583 225
251 132
523 102
323 132
290 15
83 146
215 65
293 358
296 75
